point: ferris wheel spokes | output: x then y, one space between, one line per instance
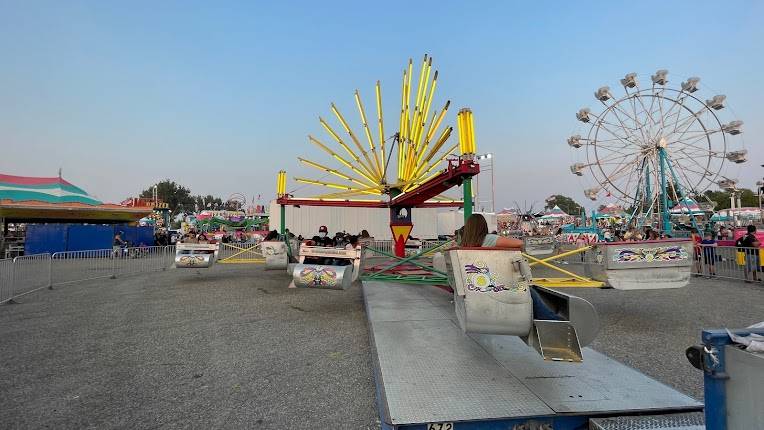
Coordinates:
639 139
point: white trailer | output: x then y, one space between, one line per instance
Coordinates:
305 220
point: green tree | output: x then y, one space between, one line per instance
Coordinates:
748 198
175 195
208 202
565 203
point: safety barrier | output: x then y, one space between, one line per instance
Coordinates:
30 273
729 262
6 279
141 260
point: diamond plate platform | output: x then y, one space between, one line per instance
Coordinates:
429 371
650 422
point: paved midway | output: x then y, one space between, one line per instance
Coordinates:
232 347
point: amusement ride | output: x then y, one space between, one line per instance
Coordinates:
655 146
400 171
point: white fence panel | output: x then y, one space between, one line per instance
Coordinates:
6 280
129 261
30 273
75 266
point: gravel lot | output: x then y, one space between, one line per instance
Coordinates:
232 347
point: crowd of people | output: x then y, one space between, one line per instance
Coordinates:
747 248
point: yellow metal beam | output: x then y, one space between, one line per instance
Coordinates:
555 268
423 170
357 143
342 160
334 172
366 129
381 127
332 185
566 283
364 191
564 254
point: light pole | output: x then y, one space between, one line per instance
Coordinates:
489 157
760 187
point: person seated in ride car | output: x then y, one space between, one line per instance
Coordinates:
476 234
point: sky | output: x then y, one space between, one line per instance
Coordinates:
219 96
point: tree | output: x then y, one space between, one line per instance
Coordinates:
175 195
722 198
565 203
208 202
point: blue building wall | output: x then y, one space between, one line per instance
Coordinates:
42 238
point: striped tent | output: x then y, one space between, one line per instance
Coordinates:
32 199
48 190
687 205
555 212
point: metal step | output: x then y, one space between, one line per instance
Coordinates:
692 421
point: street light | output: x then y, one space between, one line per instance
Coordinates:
488 156
760 187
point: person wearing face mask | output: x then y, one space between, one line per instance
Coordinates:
322 234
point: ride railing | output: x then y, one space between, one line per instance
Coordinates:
240 252
30 273
729 262
385 245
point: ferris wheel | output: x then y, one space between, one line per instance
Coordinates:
656 144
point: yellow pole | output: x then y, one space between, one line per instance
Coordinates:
461 129
331 185
436 163
339 158
381 127
334 172
368 132
419 151
565 254
471 132
408 98
347 149
345 125
402 123
432 94
376 190
438 144
552 266
421 103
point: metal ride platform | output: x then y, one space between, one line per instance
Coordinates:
430 375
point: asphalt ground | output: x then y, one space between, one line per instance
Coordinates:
232 347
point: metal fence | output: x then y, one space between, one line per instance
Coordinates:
6 279
30 273
729 262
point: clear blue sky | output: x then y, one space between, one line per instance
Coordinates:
221 95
